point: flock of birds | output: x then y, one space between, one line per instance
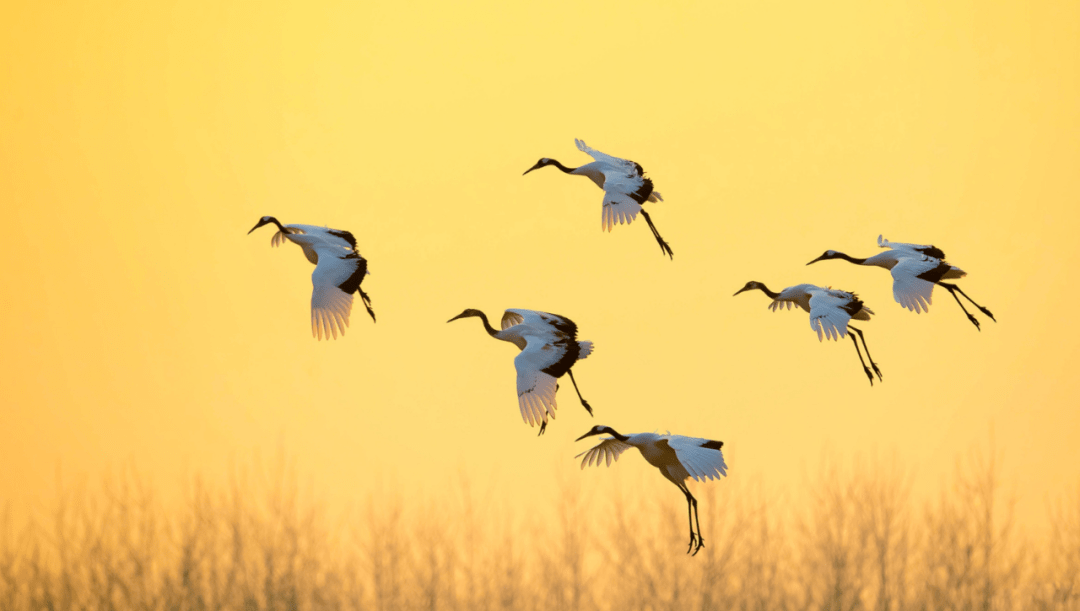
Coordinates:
548 343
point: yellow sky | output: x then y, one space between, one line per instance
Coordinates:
139 141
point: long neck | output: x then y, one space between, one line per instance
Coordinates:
555 163
765 289
487 326
851 259
614 434
279 226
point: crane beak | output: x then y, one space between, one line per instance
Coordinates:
591 432
256 227
741 290
816 260
456 317
532 168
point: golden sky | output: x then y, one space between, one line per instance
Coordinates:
139 141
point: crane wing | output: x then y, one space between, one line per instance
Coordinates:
792 296
619 207
279 237
606 451
535 388
336 277
511 318
828 316
702 458
924 249
909 290
604 157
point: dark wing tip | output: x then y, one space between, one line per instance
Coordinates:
713 445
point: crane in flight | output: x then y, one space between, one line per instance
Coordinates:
915 270
830 310
549 349
625 188
677 457
339 270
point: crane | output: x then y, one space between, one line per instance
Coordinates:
625 188
676 456
549 349
830 310
339 270
915 270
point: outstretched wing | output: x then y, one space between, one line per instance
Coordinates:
702 458
604 157
909 290
928 250
619 206
792 296
279 237
511 318
535 388
829 313
336 277
606 451
625 188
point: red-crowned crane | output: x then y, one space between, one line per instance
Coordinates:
915 270
830 310
677 457
339 270
549 349
625 188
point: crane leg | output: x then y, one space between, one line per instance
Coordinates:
367 303
981 309
543 427
868 357
584 403
656 234
859 352
696 542
952 288
697 521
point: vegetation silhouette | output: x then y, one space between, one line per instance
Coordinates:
857 540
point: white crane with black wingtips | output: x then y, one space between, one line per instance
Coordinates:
677 457
624 184
830 310
549 349
339 270
915 270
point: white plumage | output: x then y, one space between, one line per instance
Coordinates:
549 349
830 312
625 188
915 269
677 457
339 270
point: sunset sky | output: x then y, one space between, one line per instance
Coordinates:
140 141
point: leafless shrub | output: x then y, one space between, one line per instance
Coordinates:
856 540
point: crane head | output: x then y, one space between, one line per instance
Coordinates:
829 254
539 164
599 430
753 284
266 220
468 312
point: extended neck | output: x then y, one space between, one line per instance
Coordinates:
765 289
612 432
487 326
279 225
555 163
841 255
